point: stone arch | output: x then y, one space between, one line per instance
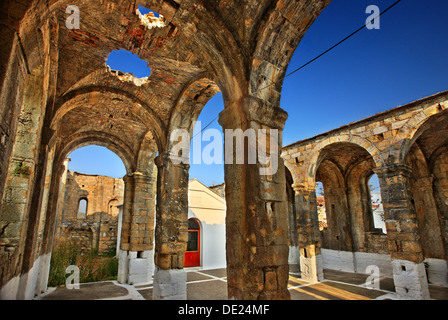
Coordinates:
343 167
415 127
279 26
190 103
316 158
292 218
337 174
146 155
425 152
137 108
112 206
338 234
112 143
293 171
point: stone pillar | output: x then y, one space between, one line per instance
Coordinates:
257 216
311 266
22 175
171 236
60 202
402 233
136 253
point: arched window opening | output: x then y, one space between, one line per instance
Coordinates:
376 203
193 225
207 150
82 208
193 236
92 188
113 209
320 200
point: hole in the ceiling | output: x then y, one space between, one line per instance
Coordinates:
144 11
128 66
150 19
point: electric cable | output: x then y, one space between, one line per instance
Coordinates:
317 57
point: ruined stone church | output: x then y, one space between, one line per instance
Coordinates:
57 95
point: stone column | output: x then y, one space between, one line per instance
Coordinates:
257 216
136 253
402 233
52 212
60 202
171 234
123 264
311 266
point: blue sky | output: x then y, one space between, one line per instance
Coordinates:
375 70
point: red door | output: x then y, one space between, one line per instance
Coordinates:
193 254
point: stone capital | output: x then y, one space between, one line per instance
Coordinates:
301 188
250 108
128 178
141 177
164 158
393 170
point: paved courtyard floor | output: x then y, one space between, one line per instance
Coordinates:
212 285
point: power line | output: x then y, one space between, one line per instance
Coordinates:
317 57
207 126
334 46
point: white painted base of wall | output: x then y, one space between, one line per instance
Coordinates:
134 268
437 272
170 284
337 260
44 273
294 255
410 280
294 259
311 269
10 289
30 284
356 261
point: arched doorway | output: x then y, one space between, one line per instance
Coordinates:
193 253
86 216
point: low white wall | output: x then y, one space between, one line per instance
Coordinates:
28 285
134 269
356 261
10 289
294 258
213 246
437 270
28 282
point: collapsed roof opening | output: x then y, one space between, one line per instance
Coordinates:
128 67
144 11
150 19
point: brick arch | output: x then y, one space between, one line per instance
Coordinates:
136 106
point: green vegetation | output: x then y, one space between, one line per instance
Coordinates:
92 266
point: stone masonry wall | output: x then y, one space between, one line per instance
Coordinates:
98 228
